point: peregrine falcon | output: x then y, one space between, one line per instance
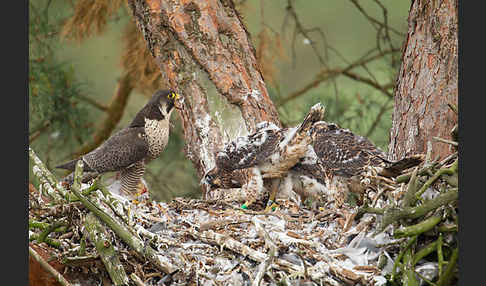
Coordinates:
328 155
130 149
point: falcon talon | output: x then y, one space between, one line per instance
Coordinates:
130 149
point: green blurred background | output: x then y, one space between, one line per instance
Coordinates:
92 67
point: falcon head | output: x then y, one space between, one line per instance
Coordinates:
167 100
159 107
217 178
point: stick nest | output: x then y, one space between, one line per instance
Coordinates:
214 242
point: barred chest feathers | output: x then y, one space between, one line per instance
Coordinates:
157 132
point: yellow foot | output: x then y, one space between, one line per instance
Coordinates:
137 195
271 206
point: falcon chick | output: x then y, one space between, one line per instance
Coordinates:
326 159
269 153
130 149
337 158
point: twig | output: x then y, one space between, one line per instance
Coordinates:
49 268
299 29
272 252
448 171
446 278
100 237
393 214
326 74
228 242
440 256
454 143
396 263
80 260
431 247
418 228
41 171
408 278
406 177
381 112
43 235
409 198
135 243
49 241
93 102
373 20
368 81
137 280
44 225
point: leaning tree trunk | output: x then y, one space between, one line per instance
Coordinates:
189 39
427 81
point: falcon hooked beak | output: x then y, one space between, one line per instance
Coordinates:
178 102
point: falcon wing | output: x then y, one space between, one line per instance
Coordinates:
249 151
121 150
341 152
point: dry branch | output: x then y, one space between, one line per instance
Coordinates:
135 243
49 268
327 74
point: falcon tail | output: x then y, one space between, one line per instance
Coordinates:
315 114
69 165
72 164
395 168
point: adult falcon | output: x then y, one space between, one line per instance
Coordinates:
130 149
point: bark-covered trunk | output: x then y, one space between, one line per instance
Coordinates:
427 81
192 40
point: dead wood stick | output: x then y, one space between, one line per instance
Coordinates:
134 242
272 252
137 280
228 242
47 179
49 268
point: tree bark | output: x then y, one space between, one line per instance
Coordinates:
194 39
427 81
